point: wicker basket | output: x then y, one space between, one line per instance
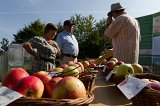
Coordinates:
118 79
88 80
24 101
147 97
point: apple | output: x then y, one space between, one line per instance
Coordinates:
91 64
30 86
85 63
50 85
57 69
13 76
70 71
124 69
113 59
81 66
69 88
70 62
155 85
64 66
115 68
119 63
110 64
137 68
43 76
76 65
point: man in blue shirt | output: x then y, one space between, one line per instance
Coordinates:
67 43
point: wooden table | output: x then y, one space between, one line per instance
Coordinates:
107 94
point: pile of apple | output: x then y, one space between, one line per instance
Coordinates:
41 84
122 69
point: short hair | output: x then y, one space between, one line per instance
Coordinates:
49 27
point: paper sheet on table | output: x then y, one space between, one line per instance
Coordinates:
131 86
7 95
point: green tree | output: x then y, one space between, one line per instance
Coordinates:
4 44
89 34
35 29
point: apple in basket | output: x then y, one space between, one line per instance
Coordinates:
110 64
64 66
13 76
113 59
43 76
57 69
155 84
76 65
119 63
50 85
81 66
85 63
69 88
30 86
124 69
70 71
137 68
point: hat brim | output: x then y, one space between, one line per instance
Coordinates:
115 10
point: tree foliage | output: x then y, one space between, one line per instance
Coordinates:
89 34
34 29
4 44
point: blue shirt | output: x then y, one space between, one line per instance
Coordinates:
67 43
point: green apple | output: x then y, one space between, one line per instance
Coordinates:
113 59
124 69
115 68
57 69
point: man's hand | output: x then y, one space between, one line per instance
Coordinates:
109 20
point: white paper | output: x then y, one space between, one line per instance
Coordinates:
52 74
109 75
104 68
131 86
7 95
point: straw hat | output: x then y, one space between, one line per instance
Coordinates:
115 7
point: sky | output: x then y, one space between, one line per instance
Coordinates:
16 14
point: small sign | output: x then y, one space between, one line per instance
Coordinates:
104 68
52 74
109 75
7 95
131 86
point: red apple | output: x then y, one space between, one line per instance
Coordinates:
50 85
43 76
13 76
70 62
64 66
69 88
81 66
119 63
110 64
30 86
92 64
155 84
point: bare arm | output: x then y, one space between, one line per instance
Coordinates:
53 43
27 46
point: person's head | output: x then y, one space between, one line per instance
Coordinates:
50 31
68 25
116 10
